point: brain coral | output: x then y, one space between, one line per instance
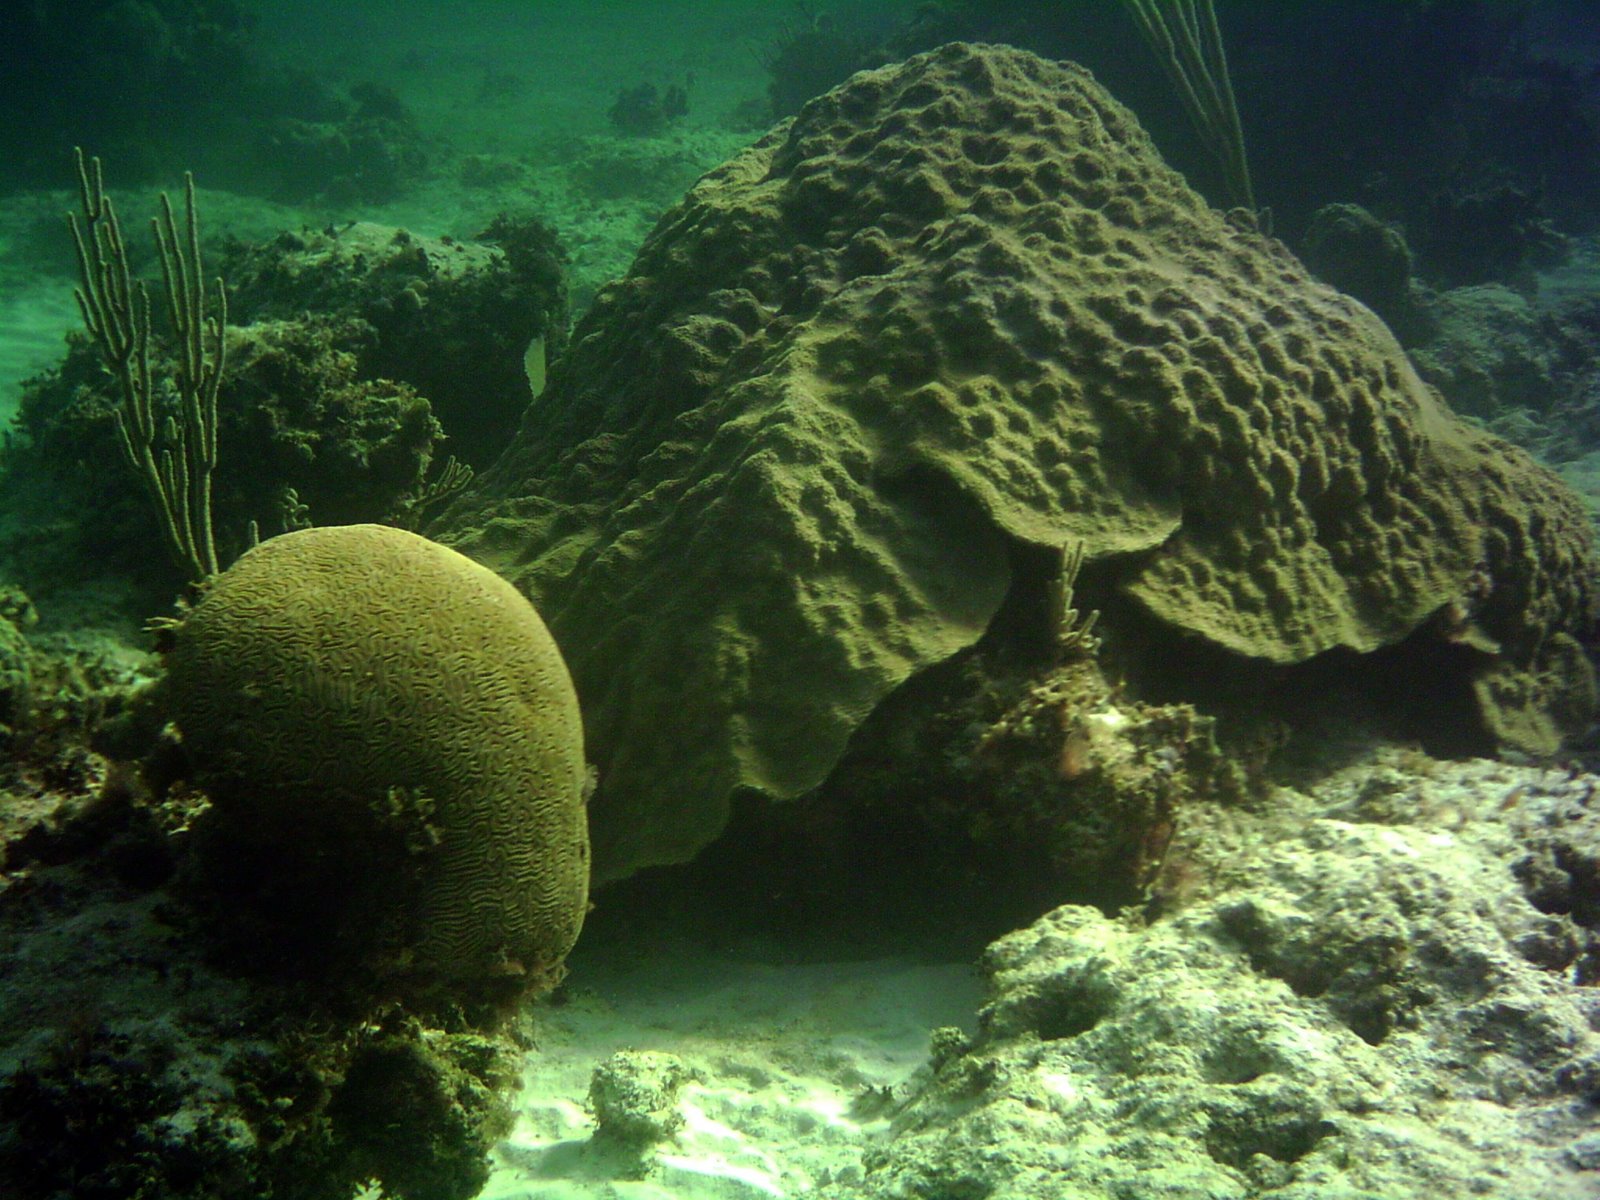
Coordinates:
339 682
956 307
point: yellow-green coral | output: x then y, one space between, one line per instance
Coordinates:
954 317
369 673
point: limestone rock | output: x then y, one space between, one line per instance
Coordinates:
1362 1000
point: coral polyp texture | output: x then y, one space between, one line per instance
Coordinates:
348 689
955 308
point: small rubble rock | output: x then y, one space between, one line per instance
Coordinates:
634 1095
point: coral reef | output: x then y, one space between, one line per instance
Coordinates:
1499 233
1489 355
871 377
343 380
16 674
814 50
1523 363
348 446
366 150
130 1065
142 80
646 110
426 308
164 85
395 757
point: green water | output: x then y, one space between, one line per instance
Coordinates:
510 105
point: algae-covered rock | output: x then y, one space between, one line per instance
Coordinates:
449 317
454 1089
1038 786
300 423
16 673
635 1098
353 354
956 309
394 724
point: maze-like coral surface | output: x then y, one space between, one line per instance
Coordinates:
369 670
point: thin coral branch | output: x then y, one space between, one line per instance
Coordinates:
1187 42
173 459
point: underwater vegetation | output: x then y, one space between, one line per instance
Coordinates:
339 373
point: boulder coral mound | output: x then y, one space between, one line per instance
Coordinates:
955 309
393 724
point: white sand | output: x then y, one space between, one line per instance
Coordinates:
781 1052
